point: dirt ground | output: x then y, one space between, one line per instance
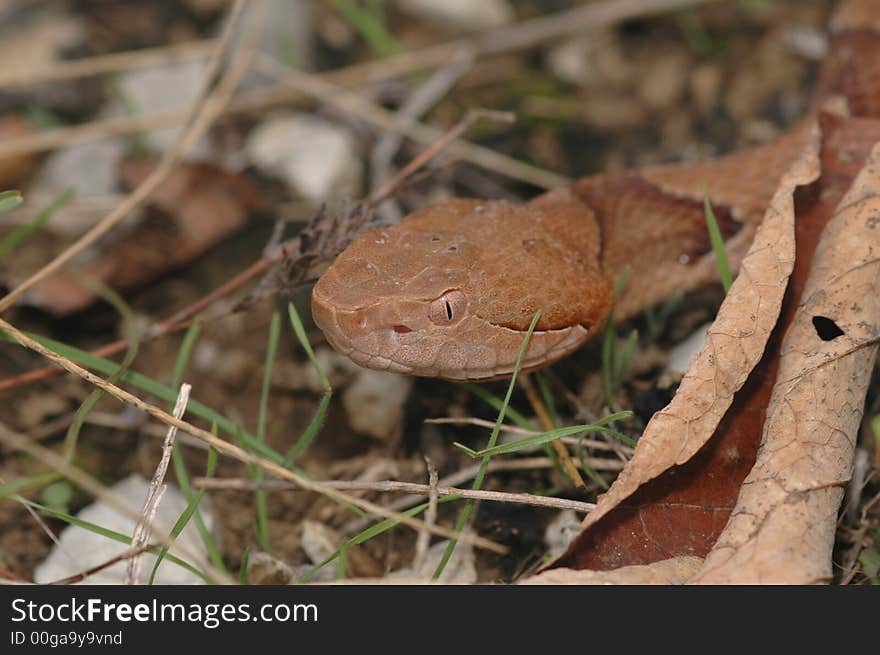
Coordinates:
675 87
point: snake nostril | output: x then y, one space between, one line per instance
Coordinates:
401 329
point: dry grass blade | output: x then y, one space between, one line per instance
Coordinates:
204 113
157 489
226 448
390 486
98 65
89 484
357 105
129 554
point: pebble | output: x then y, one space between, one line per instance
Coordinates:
161 89
79 549
681 354
461 568
374 402
460 15
560 532
91 170
317 159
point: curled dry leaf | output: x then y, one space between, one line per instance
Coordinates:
677 493
782 529
734 344
670 571
200 205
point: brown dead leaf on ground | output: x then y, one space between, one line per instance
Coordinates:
200 205
675 496
676 570
13 169
782 529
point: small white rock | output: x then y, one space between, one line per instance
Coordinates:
91 168
319 542
302 376
460 15
460 569
681 355
560 531
79 549
160 89
374 402
317 159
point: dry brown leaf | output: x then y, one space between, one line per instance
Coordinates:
735 343
683 510
677 570
13 169
782 529
201 205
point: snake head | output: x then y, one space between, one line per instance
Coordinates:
450 292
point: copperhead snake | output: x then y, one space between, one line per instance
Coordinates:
451 291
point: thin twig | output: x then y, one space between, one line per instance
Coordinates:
408 487
204 113
512 429
359 106
424 538
125 555
88 483
415 106
100 64
547 424
525 35
437 146
459 477
157 488
224 447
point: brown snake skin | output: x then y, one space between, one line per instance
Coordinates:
451 291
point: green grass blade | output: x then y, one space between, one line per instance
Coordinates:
10 200
176 529
497 403
370 533
150 386
260 494
542 438
318 420
192 510
177 462
105 532
133 334
717 242
493 439
369 20
29 482
20 234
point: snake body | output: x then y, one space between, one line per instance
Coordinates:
451 291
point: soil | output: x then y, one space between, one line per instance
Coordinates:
685 86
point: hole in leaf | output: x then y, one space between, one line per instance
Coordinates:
826 328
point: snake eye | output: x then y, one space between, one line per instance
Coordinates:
448 308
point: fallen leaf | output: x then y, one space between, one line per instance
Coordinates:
782 528
200 205
13 169
669 571
675 496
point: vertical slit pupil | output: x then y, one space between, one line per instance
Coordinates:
448 311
